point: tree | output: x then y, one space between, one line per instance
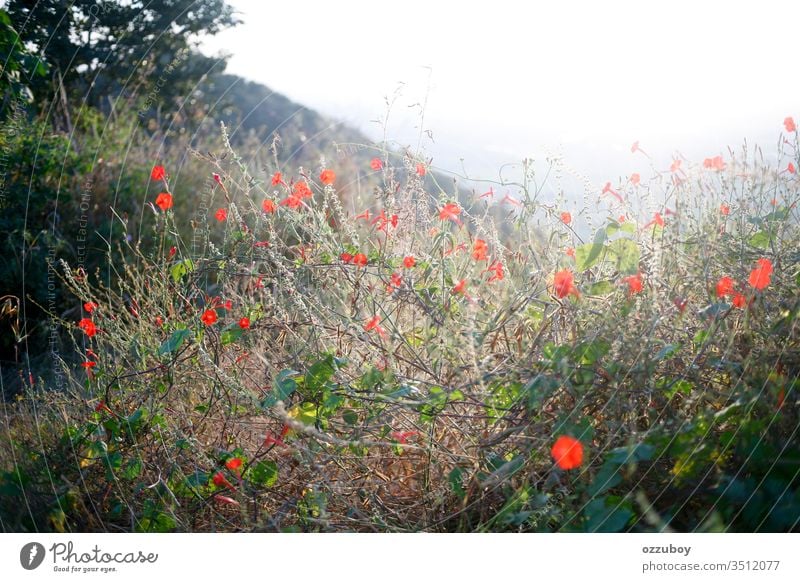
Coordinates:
101 48
18 67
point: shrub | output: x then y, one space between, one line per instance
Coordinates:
287 367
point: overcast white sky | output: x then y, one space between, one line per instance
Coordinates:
504 79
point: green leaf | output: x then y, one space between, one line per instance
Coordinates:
701 337
350 417
283 386
456 480
626 227
436 402
132 469
606 515
588 255
588 353
607 477
631 454
113 463
668 352
137 418
263 473
181 269
305 412
318 375
197 481
174 341
601 288
625 253
682 386
761 239
229 336
539 389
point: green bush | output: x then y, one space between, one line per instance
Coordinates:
282 366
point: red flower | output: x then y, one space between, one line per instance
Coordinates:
157 173
277 178
635 284
373 324
488 194
395 281
460 287
228 304
403 436
292 202
327 177
409 261
164 201
172 251
635 179
382 221
225 500
715 163
567 452
725 287
209 317
271 439
450 211
760 276
233 463
346 257
268 206
421 171
724 209
563 284
680 303
220 481
102 407
675 166
458 248
360 260
790 168
739 300
158 321
570 252
657 220
479 249
88 327
635 147
510 200
607 189
221 214
364 215
90 306
376 164
497 268
301 190
244 323
788 123
566 217
88 364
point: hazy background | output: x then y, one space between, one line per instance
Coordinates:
501 80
